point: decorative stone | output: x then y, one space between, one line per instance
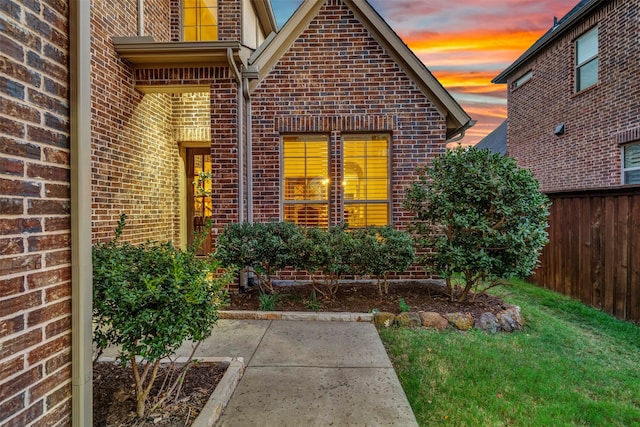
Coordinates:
384 319
488 322
408 319
510 319
462 321
431 319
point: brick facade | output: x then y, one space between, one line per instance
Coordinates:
337 79
598 120
35 239
135 159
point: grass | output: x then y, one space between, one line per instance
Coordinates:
571 366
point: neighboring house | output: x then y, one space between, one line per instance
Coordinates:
496 141
107 109
574 99
574 120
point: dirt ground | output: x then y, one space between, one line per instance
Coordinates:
114 401
363 297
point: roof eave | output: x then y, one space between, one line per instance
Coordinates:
548 38
456 118
266 16
144 52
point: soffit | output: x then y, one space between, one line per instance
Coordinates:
145 52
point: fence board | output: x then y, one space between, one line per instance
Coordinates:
593 253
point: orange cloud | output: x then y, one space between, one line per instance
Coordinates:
506 40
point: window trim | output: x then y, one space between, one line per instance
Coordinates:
389 198
624 169
578 66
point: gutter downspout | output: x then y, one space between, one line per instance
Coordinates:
461 132
140 18
249 154
81 263
239 129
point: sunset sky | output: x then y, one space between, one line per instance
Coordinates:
465 44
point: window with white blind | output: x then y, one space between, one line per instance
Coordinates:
587 60
631 163
305 180
365 180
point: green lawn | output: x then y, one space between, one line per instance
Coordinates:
572 365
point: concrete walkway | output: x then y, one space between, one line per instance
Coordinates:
309 373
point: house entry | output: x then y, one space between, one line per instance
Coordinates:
199 204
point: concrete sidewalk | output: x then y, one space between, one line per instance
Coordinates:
309 373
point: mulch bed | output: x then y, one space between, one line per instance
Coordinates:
114 401
363 297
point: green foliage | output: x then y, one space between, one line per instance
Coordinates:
328 255
268 302
573 365
478 214
265 248
404 307
383 250
150 298
312 302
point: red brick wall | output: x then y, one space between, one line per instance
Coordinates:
135 158
229 18
223 113
337 79
596 120
35 248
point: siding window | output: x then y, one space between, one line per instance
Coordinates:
200 20
305 180
631 163
366 180
587 60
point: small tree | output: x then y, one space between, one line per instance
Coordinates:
383 250
149 299
480 215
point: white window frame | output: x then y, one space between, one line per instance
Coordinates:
580 65
629 169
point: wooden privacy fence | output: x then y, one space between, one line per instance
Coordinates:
593 253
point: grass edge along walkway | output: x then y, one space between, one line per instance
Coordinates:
571 366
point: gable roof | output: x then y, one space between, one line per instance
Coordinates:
496 141
580 10
267 56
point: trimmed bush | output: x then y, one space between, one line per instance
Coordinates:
382 250
480 215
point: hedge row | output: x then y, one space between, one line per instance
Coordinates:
266 248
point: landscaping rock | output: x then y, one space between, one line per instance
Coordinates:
462 321
488 322
384 319
408 319
431 319
510 319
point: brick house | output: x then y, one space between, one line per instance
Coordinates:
574 120
573 106
116 106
